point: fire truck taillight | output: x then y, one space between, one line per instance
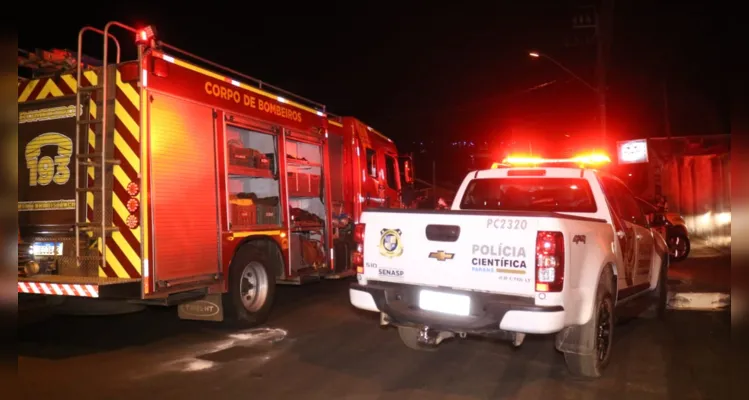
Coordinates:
357 256
133 189
549 261
132 221
132 205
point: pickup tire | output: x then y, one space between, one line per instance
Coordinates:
410 337
598 332
252 288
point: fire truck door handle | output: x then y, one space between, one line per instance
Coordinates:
620 234
638 236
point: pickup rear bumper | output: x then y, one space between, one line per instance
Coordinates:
490 313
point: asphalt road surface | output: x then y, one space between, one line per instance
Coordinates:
316 346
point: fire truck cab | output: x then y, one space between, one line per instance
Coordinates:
366 172
173 180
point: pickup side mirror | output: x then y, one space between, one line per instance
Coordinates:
406 169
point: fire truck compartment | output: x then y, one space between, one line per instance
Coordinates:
253 181
183 192
307 208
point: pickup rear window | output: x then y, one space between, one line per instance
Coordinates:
529 194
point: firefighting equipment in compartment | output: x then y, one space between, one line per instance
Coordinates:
305 218
246 157
267 211
243 209
312 252
247 210
303 185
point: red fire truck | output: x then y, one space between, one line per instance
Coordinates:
366 172
373 172
173 180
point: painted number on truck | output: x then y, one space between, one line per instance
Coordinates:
507 223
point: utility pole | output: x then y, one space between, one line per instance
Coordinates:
667 118
599 18
601 72
603 40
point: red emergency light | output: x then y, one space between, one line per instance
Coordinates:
583 160
145 35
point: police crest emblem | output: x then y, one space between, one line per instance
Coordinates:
390 243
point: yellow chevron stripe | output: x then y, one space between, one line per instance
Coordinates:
92 76
121 210
335 124
27 91
70 80
126 119
91 137
131 255
129 91
49 88
91 170
130 156
113 262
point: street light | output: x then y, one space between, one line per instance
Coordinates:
598 90
534 54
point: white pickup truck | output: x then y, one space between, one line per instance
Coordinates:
536 250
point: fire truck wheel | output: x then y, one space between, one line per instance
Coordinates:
252 288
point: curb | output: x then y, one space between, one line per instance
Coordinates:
699 301
724 251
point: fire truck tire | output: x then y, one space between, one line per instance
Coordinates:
252 288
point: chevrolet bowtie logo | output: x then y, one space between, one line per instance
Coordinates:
441 255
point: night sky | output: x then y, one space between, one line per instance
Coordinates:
453 73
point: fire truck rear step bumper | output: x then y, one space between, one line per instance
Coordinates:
80 286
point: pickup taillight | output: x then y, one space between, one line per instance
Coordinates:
549 261
357 256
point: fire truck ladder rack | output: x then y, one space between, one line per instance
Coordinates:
100 93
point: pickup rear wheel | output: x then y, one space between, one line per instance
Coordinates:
252 288
598 332
410 337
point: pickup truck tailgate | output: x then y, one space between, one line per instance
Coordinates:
452 249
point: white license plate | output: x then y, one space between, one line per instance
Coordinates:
447 303
47 249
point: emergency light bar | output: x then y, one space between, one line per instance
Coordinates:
581 160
